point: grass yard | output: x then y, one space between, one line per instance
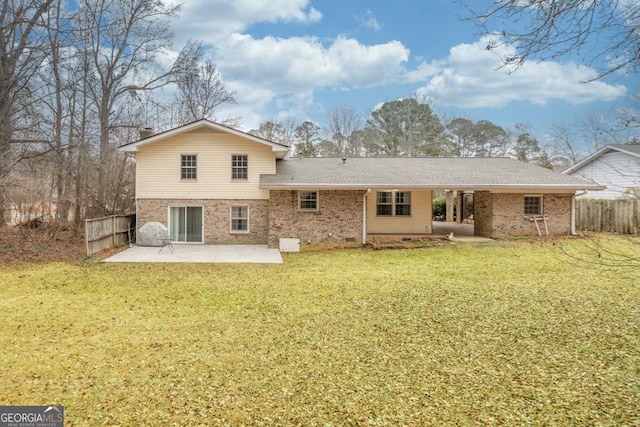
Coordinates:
516 334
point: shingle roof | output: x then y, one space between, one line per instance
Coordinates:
418 172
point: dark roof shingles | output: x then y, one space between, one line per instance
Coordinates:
460 172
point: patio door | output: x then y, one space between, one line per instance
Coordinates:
185 224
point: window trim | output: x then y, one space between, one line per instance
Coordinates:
300 200
380 204
540 197
232 218
184 168
397 203
393 204
244 168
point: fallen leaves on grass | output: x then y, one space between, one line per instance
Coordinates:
455 335
51 243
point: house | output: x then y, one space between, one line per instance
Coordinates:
213 184
615 166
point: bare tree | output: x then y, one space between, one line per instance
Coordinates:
23 48
122 41
201 91
343 123
605 32
282 132
564 146
55 95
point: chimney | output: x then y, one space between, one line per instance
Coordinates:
146 133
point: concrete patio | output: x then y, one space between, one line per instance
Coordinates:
455 232
255 254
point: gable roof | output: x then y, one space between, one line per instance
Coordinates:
630 149
281 150
460 173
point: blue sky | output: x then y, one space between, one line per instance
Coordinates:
302 58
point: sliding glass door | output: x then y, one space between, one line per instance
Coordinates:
185 223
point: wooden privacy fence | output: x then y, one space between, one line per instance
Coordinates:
108 232
616 216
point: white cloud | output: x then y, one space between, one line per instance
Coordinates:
299 63
288 71
423 71
470 78
369 20
284 72
211 20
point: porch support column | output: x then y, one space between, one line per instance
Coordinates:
449 205
460 201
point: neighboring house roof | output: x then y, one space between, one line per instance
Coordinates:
460 173
280 149
630 149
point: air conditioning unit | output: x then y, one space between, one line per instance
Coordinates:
289 245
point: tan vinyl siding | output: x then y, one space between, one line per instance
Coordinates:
158 167
418 222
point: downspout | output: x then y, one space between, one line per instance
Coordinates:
135 232
573 211
364 217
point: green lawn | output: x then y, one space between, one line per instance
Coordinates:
514 334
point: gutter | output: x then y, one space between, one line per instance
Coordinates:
364 217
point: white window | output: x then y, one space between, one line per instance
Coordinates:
240 219
308 200
533 205
188 166
384 203
239 166
393 203
403 203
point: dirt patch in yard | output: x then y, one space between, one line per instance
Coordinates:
45 242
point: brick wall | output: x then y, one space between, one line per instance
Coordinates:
216 218
338 218
483 213
499 214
